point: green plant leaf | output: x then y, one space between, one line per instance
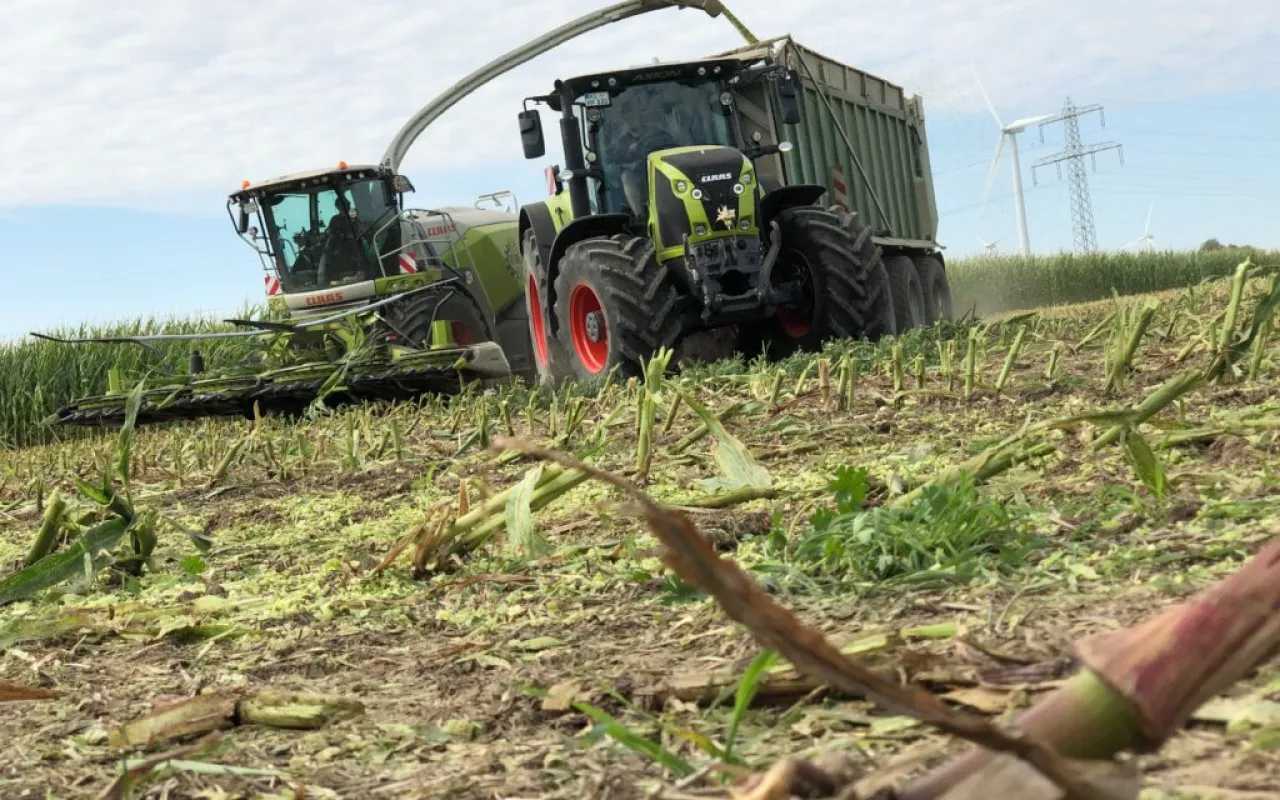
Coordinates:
849 488
524 538
125 445
635 742
748 685
1145 463
52 570
736 462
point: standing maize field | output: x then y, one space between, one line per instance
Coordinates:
35 376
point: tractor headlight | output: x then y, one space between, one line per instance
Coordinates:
700 229
697 194
745 223
737 188
682 186
746 178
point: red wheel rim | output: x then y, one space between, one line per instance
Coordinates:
796 320
537 325
587 328
462 333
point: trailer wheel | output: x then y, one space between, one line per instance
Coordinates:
830 262
878 312
908 293
549 359
616 306
936 288
880 315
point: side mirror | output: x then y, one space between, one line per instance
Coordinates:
788 94
535 146
242 224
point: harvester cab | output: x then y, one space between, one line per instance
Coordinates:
336 240
664 221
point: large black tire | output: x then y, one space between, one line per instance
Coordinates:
551 362
936 287
413 317
616 306
908 293
831 259
878 313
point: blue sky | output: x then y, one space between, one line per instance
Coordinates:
128 144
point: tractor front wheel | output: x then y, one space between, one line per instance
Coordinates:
615 305
549 357
829 263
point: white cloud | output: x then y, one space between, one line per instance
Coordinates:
134 102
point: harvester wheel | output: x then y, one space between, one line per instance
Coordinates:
936 287
414 316
831 262
908 293
549 357
616 306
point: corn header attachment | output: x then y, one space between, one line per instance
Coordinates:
289 368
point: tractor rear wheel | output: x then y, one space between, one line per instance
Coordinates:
414 316
616 306
908 293
936 287
549 358
830 260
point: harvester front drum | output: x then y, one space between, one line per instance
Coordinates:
414 317
616 306
935 287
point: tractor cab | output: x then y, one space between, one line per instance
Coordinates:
624 116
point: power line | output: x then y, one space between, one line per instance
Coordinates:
1252 192
1204 153
1196 174
1082 227
950 170
1200 135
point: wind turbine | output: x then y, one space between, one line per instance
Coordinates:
1146 238
989 246
1010 132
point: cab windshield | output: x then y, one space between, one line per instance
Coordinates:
640 119
324 236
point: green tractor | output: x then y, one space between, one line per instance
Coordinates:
661 226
